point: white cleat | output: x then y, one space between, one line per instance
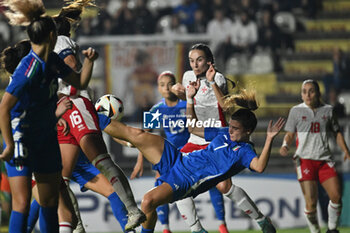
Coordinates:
134 220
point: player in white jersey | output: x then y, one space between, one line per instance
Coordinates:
313 123
208 104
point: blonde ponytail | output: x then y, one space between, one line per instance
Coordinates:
23 12
244 99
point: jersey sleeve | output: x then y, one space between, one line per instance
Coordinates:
291 121
63 47
18 82
247 154
211 133
103 121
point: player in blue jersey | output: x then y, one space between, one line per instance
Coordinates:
27 116
184 175
172 112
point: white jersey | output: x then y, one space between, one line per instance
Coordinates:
64 47
313 129
205 103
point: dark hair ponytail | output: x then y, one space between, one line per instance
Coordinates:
11 56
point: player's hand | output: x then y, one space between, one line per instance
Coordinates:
90 54
346 156
138 170
66 129
273 130
7 154
210 75
284 150
63 106
178 89
193 88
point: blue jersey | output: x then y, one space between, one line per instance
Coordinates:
193 173
34 83
33 118
171 117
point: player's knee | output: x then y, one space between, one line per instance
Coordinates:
224 187
147 204
21 204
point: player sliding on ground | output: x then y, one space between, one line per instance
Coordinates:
185 175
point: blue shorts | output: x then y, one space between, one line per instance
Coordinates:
43 156
84 171
168 168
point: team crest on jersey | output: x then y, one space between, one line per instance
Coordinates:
19 167
236 148
303 118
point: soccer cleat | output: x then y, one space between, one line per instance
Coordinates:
223 228
266 226
167 231
201 231
332 231
135 219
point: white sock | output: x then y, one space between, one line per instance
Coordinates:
244 202
118 180
334 211
165 226
80 226
65 227
188 212
312 222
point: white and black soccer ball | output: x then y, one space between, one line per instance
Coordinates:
110 106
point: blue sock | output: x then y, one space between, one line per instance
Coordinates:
143 230
163 213
118 209
33 215
218 202
48 219
18 222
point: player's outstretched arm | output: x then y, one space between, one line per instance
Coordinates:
210 75
81 81
287 141
259 164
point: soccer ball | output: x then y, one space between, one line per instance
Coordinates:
110 106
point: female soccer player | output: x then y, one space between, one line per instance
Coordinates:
189 174
27 116
172 109
314 122
209 103
83 122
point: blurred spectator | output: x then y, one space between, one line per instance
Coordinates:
244 34
174 27
268 32
144 19
104 23
340 79
250 6
143 82
85 27
311 7
200 22
186 12
218 29
124 19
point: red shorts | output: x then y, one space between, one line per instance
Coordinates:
189 147
320 170
82 120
